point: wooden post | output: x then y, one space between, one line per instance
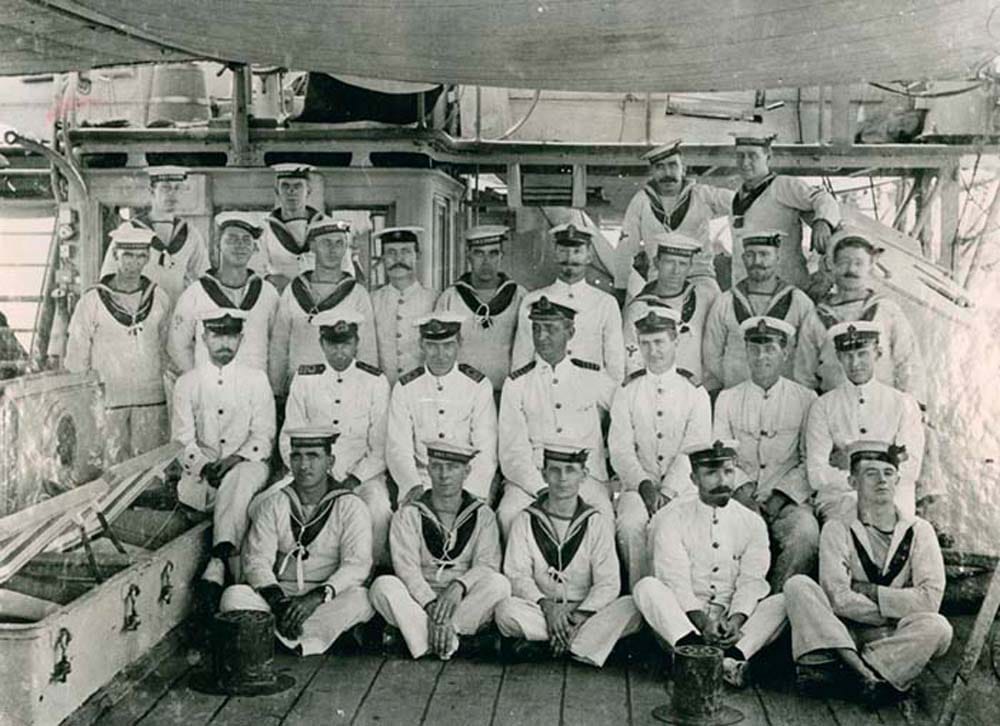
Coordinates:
840 115
239 124
949 191
926 192
421 110
649 118
821 115
479 113
579 196
514 186
992 217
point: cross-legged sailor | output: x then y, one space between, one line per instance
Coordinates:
563 570
446 559
308 552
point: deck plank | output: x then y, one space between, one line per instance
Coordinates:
183 706
595 695
784 707
531 693
261 710
400 693
647 690
336 691
466 693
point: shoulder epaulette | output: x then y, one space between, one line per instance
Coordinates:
311 369
689 376
473 373
369 368
634 375
412 375
585 364
522 370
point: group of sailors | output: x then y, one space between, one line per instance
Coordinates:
495 453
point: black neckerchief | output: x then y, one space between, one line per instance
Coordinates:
558 554
304 531
178 236
677 213
827 313
896 564
689 303
486 311
284 236
212 286
446 545
777 307
303 294
744 198
122 315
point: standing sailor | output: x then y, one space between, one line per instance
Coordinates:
446 559
490 300
563 571
656 415
179 255
881 580
598 321
400 302
327 287
229 285
119 329
773 201
224 419
308 552
285 250
442 399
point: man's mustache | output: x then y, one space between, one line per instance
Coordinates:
851 276
400 266
722 490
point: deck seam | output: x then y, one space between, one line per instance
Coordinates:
496 696
628 693
323 662
166 691
364 696
430 696
562 695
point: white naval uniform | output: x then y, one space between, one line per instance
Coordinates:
332 545
782 203
573 562
283 247
899 632
770 427
398 337
724 348
714 560
257 298
457 406
688 212
354 402
122 337
598 326
849 413
489 326
174 264
693 303
541 403
219 412
901 365
427 556
653 419
295 340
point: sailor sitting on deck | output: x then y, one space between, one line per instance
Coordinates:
224 418
709 559
446 558
308 552
881 580
563 571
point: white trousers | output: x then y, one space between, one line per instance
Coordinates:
375 495
660 608
393 602
232 500
134 430
519 618
631 522
515 500
321 629
898 652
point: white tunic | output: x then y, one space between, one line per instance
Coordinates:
540 403
693 303
653 419
398 338
598 335
457 406
283 244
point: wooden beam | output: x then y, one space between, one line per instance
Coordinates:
579 196
239 124
514 199
840 115
950 191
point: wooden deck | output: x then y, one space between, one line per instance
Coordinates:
339 688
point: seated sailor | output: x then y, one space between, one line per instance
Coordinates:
709 557
308 552
881 580
446 558
563 571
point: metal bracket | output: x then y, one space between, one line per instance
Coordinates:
112 536
132 620
166 588
91 558
62 668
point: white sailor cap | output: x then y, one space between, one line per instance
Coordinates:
324 436
166 173
486 234
712 453
762 328
674 243
743 138
223 320
655 317
854 334
763 238
292 170
128 236
877 451
450 450
565 450
391 235
663 151
242 220
322 224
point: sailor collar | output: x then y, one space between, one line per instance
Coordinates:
897 555
279 228
447 544
178 236
485 311
122 315
215 289
306 529
558 552
302 291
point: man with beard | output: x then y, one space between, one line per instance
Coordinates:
327 287
400 302
178 253
446 559
229 285
860 408
767 415
710 558
762 292
672 289
670 202
119 329
224 419
655 416
285 251
772 201
490 300
598 322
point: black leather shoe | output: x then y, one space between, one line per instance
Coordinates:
392 640
518 650
484 644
